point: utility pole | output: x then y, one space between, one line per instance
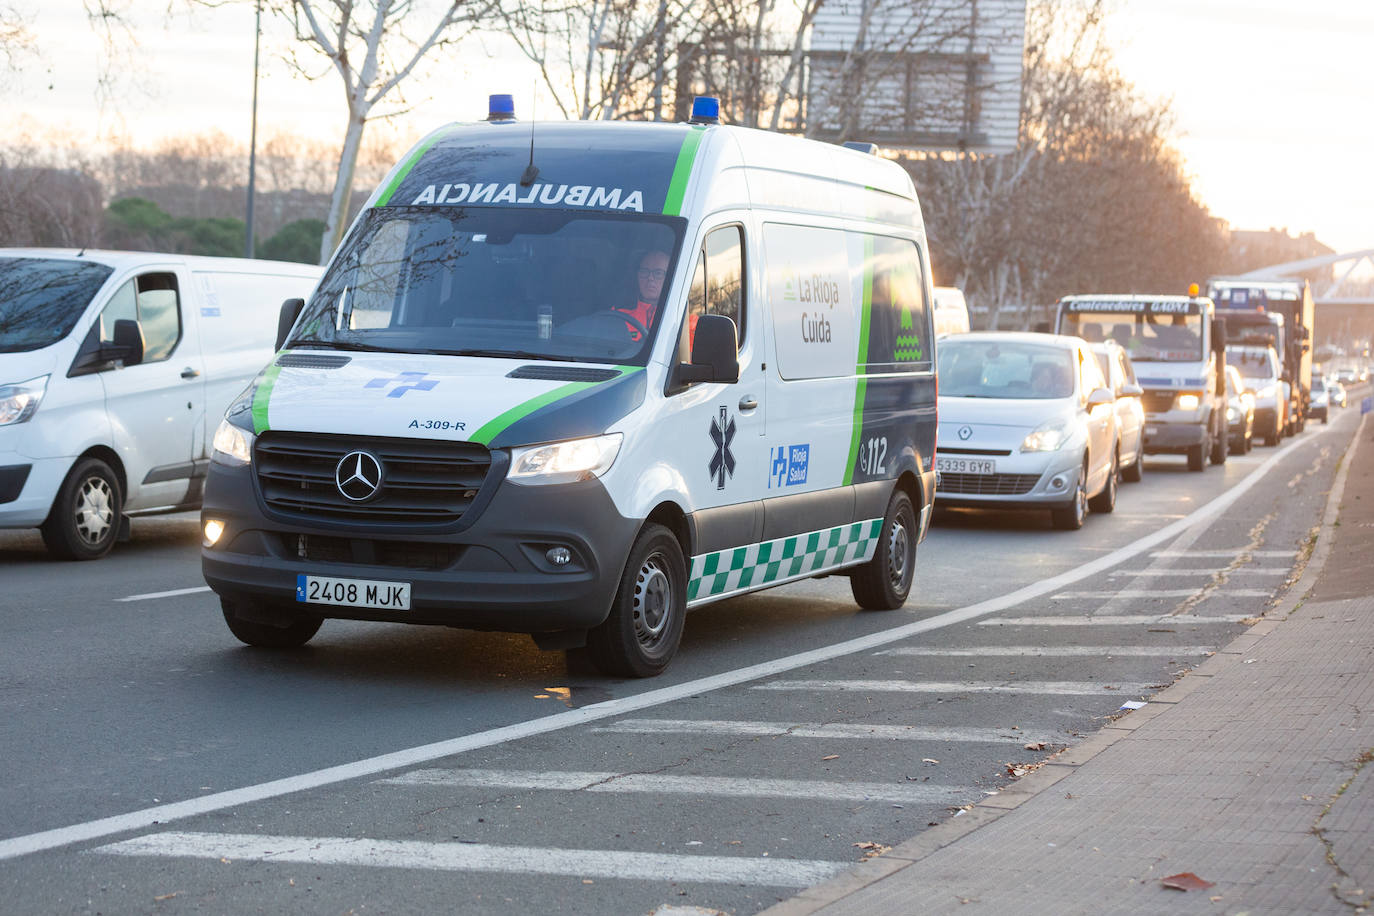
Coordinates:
253 137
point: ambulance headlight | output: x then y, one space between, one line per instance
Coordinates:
564 462
233 446
19 401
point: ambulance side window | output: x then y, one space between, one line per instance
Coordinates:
717 285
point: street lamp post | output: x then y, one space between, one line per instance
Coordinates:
253 137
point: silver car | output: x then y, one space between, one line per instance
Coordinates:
1026 422
1130 412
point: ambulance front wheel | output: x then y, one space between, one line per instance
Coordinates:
256 625
883 583
644 629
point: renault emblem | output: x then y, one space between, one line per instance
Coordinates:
965 432
358 476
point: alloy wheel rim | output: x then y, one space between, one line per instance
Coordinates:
653 601
94 510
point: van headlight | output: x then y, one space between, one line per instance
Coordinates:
233 446
564 462
20 400
1047 437
1189 400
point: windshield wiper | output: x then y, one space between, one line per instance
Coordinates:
341 345
512 354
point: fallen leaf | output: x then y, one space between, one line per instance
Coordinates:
872 850
1034 746
929 760
166 896
832 757
1186 881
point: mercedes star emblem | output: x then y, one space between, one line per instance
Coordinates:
358 476
965 432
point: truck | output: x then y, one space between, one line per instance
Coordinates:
1178 347
1240 299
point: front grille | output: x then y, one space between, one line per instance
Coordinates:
424 482
952 450
987 484
405 554
1158 401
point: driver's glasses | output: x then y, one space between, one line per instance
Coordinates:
647 274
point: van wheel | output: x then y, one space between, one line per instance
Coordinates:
1220 446
1106 500
86 515
1072 516
256 624
883 583
1197 459
644 629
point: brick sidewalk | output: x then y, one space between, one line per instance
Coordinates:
1248 773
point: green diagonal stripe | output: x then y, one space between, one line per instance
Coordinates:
492 428
261 396
405 169
861 387
682 170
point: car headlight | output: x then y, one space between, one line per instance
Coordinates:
564 462
20 400
233 446
1046 437
1248 400
1189 400
1268 391
1232 415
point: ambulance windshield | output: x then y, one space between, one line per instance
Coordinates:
42 298
524 283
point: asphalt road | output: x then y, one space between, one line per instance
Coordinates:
394 769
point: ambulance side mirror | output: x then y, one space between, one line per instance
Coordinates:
715 352
286 319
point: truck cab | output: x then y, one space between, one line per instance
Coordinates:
1243 301
1177 346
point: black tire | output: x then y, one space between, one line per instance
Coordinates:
84 521
1221 445
883 583
1106 500
1197 458
644 629
1136 471
1072 516
257 624
1271 437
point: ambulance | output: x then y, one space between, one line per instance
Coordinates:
574 379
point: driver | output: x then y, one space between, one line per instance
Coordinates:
653 270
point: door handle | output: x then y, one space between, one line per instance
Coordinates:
189 373
748 402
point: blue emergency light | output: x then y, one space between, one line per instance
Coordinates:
501 107
705 110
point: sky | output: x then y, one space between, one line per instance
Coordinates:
1274 99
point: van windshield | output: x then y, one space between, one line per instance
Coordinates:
532 284
1147 336
1252 363
42 298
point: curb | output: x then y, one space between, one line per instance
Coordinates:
1068 760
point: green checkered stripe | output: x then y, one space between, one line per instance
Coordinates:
757 565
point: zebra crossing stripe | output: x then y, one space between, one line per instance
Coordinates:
1034 688
736 569
829 731
528 860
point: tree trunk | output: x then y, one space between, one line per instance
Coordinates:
337 221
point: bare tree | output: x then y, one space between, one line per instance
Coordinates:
16 41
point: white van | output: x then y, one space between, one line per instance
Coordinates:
951 311
576 389
114 369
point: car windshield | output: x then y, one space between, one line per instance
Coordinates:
42 298
1004 369
1147 336
532 284
1253 363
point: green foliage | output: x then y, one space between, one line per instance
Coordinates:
138 224
298 241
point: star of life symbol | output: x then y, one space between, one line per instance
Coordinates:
723 461
406 381
358 475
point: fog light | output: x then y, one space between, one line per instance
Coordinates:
558 556
1058 482
213 529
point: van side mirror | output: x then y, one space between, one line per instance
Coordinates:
715 352
128 343
286 319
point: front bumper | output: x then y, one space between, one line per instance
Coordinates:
1171 437
27 488
487 572
1024 480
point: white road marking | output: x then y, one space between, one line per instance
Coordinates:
1223 554
1108 620
1160 593
1051 651
145 818
530 860
660 784
1038 688
814 730
1177 571
172 594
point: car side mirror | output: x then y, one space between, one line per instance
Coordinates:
1130 390
715 352
1099 397
286 319
128 343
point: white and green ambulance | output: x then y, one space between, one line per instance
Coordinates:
477 421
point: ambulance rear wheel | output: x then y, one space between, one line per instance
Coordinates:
883 583
644 629
249 622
